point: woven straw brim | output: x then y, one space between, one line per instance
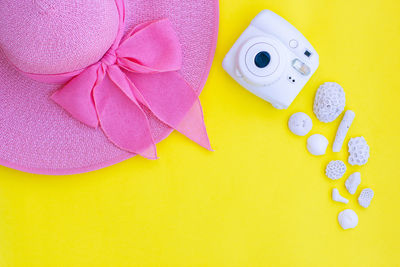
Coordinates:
37 136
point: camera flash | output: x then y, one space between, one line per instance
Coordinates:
301 67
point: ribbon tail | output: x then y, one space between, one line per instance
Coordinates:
193 126
173 101
76 97
122 119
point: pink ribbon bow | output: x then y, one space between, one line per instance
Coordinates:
138 71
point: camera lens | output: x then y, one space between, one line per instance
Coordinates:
262 59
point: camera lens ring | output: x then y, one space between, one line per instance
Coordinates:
246 60
250 57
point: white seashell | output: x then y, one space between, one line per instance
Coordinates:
353 182
359 151
348 219
342 130
365 197
317 144
335 169
329 102
300 124
337 197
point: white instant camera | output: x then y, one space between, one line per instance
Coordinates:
272 59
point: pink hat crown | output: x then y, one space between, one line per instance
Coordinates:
57 36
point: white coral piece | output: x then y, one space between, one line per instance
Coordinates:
359 151
342 130
365 197
300 124
317 144
348 219
329 102
353 182
335 169
337 197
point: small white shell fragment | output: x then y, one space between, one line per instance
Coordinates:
329 102
353 182
337 197
348 219
300 124
342 130
317 144
335 169
365 197
359 151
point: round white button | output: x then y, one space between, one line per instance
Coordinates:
293 44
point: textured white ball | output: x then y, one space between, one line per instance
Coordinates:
329 102
365 197
359 151
317 144
300 124
348 219
335 169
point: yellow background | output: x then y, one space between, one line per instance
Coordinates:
260 199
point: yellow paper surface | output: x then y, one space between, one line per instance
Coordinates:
260 199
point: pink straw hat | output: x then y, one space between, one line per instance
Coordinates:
85 84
